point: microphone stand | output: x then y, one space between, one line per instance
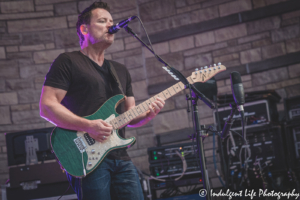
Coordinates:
195 96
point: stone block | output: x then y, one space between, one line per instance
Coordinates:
273 50
26 15
234 7
204 14
32 25
19 55
29 96
190 2
2 85
68 8
140 90
154 67
36 47
18 84
37 38
123 54
180 3
265 24
21 127
294 71
289 22
9 72
203 39
285 33
137 74
162 9
8 98
293 90
274 75
50 46
145 141
84 4
205 49
5 115
231 32
246 78
144 130
12 49
282 84
281 93
220 83
20 107
132 45
159 48
117 6
2 53
199 60
261 43
292 14
251 38
188 8
10 39
34 71
205 111
233 49
181 43
42 2
293 45
44 7
26 117
249 56
169 105
227 57
16 6
47 56
66 38
224 90
170 121
118 45
157 79
72 20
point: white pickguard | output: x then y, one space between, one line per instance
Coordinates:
96 151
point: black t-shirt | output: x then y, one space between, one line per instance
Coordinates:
88 86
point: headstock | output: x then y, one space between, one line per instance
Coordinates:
207 72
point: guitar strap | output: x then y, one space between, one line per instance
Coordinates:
115 75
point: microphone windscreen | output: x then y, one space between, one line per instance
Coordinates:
235 78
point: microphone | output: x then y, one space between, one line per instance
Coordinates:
237 90
115 28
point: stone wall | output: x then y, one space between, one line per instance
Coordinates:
258 38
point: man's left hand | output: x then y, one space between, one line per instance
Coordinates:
155 107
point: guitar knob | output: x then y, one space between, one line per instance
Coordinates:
196 69
90 164
215 65
201 68
93 151
205 67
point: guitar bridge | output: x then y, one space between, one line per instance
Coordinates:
80 144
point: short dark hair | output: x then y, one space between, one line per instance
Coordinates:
85 17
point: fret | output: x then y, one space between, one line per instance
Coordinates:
135 114
138 110
129 115
144 107
125 119
179 85
169 92
115 122
164 95
120 120
174 89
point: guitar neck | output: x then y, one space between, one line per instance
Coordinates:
144 107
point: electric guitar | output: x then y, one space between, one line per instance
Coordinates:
79 154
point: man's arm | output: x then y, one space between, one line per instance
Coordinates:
52 110
144 118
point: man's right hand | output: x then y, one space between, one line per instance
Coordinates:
99 130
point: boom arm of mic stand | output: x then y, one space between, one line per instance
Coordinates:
201 96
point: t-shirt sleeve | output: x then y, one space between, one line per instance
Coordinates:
59 75
129 92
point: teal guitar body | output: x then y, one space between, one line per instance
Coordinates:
78 153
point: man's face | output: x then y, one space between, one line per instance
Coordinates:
100 22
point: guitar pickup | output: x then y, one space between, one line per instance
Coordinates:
89 140
80 144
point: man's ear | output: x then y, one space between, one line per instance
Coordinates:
84 29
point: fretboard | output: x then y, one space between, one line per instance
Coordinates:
133 113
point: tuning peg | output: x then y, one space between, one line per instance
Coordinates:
196 70
201 68
205 67
219 65
215 65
